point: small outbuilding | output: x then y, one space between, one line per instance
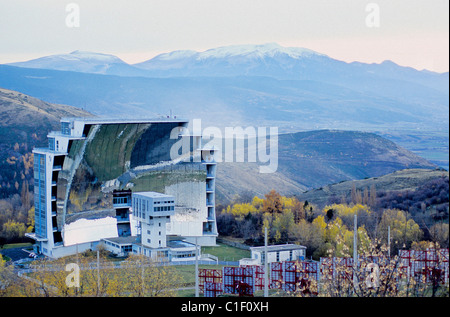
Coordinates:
278 253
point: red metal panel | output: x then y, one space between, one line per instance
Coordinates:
258 271
208 275
213 289
291 276
310 270
276 275
238 280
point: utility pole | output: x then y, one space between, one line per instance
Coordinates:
196 268
355 251
142 262
78 265
389 241
266 270
98 272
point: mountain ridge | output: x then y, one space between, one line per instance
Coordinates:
245 50
306 159
309 93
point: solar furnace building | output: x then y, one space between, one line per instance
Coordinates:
84 181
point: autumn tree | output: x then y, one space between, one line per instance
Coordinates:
403 230
13 230
272 204
98 277
282 226
439 233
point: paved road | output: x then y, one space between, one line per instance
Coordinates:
15 253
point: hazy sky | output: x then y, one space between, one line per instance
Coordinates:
410 32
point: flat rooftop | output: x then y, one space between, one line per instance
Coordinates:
122 240
280 247
113 120
152 195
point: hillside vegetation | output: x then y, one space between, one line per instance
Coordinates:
313 159
407 180
306 160
25 122
330 228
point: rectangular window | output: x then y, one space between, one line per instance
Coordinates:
40 195
65 129
120 200
51 144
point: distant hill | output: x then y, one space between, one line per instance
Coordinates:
24 123
84 62
306 159
21 109
313 159
401 180
292 88
295 89
264 60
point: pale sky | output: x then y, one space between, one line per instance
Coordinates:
410 32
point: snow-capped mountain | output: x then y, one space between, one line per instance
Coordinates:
84 62
257 51
266 60
228 52
263 85
283 63
270 60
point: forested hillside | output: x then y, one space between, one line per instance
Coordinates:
24 124
415 218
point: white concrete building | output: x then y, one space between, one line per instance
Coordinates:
152 211
276 253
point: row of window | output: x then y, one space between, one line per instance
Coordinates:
164 202
120 200
159 254
183 254
278 255
140 206
125 248
40 196
164 208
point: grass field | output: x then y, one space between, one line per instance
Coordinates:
226 253
17 245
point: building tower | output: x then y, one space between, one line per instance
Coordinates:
152 211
